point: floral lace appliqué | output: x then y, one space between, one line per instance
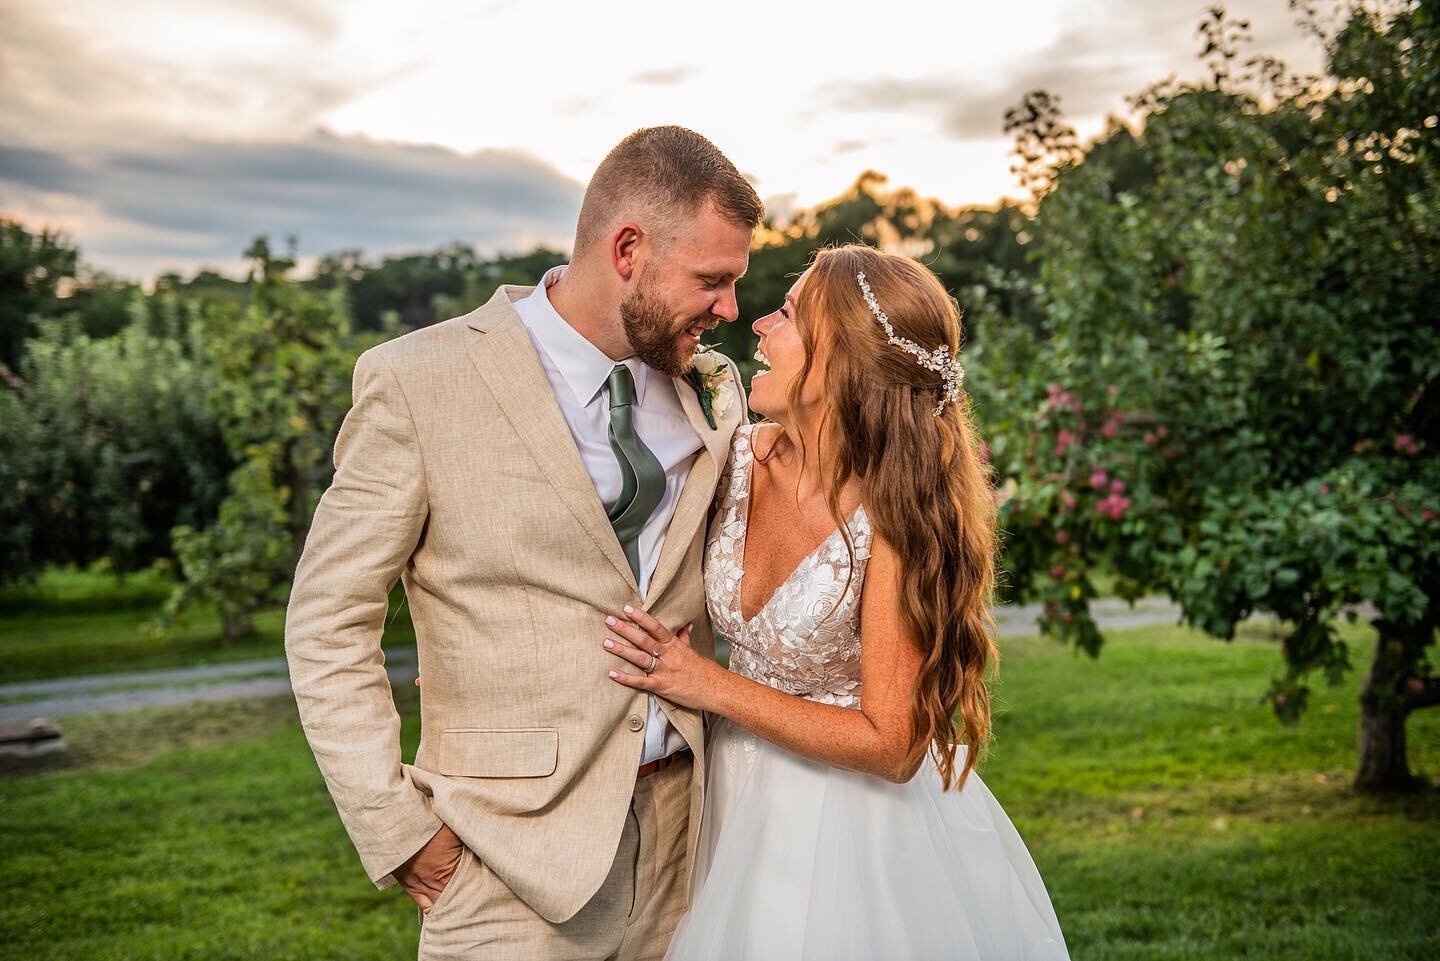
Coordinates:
806 639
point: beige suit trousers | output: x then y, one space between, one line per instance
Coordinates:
631 918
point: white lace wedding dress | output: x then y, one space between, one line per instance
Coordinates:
799 860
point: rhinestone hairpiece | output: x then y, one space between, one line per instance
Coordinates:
938 360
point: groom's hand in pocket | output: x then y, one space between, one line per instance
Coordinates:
427 872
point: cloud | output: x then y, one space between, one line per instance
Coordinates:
184 202
664 77
99 139
59 76
781 208
306 16
184 127
575 106
1092 66
967 110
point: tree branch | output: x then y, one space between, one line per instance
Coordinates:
1427 696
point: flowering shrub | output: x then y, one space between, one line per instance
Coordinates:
1235 397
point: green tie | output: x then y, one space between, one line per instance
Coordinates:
643 479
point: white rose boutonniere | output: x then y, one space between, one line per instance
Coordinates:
710 376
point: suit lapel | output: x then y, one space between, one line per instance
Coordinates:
696 495
501 349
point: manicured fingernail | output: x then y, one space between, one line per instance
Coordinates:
614 673
611 620
629 609
609 643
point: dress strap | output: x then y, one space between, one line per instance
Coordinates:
734 484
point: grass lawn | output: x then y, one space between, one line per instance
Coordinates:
75 622
1170 815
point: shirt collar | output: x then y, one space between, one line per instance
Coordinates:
582 365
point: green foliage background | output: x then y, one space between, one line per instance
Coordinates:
1205 356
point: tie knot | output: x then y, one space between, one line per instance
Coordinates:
622 387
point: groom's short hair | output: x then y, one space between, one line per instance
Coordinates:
667 172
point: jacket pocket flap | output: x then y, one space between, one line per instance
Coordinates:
498 752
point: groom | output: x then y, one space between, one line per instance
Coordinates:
527 469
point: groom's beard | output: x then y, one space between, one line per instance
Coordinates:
648 328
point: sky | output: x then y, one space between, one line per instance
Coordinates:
165 134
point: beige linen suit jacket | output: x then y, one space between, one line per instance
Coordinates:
455 471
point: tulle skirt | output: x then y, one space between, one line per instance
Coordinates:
799 861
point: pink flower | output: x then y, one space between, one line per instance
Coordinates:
1076 406
1099 479
1068 500
1114 506
1112 390
1427 514
1161 432
1062 536
1063 440
1056 397
1149 438
1416 685
1324 488
1117 487
1057 571
1110 429
1406 444
1066 617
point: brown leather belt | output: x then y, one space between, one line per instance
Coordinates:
660 764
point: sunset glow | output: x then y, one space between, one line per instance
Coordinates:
166 135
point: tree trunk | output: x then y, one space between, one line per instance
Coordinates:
1383 710
236 624
1383 768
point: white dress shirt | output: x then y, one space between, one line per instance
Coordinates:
579 374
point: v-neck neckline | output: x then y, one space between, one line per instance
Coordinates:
745 544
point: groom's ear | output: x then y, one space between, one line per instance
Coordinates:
626 244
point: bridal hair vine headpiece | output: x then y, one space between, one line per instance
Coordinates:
938 360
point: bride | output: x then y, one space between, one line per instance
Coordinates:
850 566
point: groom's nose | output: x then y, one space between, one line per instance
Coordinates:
725 306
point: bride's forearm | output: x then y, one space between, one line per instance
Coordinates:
874 739
839 736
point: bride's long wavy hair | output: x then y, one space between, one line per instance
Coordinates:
926 486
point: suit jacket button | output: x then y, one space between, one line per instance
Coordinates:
636 724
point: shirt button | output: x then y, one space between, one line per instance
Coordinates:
636 724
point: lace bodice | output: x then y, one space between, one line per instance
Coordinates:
790 644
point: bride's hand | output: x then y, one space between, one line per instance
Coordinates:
669 666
